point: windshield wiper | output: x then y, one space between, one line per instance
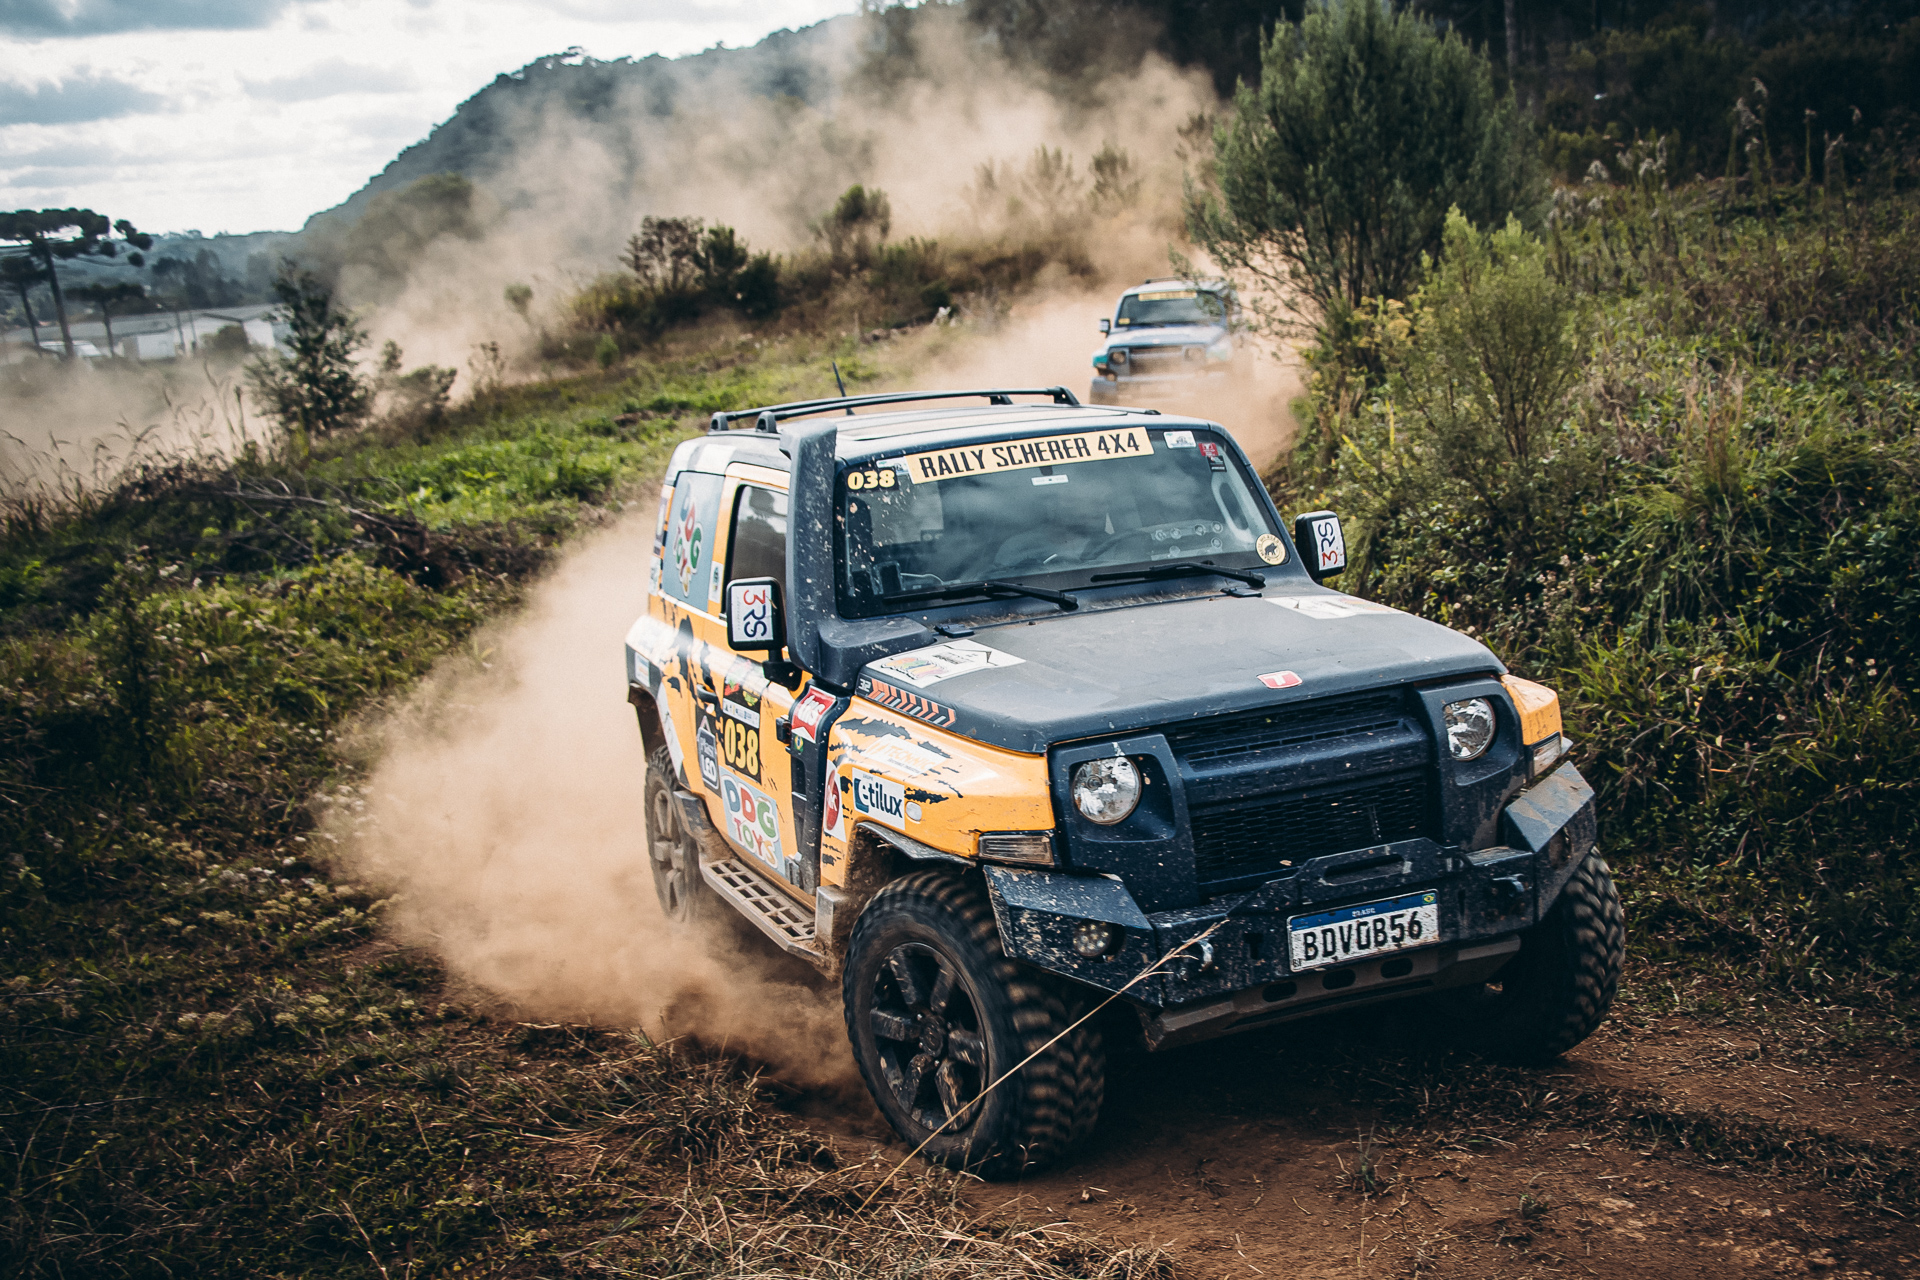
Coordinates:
990 587
1183 569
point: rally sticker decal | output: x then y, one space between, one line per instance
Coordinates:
926 667
1280 680
1328 608
1016 455
879 691
808 711
686 548
830 819
753 822
880 798
1177 439
1271 549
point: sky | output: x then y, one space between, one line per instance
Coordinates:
250 115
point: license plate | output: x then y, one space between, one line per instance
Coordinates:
1346 934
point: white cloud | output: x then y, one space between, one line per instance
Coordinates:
330 79
274 109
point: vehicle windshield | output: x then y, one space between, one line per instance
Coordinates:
1170 306
1046 511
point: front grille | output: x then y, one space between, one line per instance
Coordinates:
1335 773
1151 360
1252 837
1214 742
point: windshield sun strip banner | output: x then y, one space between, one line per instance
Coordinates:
1019 455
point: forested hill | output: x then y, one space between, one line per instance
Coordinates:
1593 73
483 138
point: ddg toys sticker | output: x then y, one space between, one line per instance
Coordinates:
752 821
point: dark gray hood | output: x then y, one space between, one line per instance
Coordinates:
1112 671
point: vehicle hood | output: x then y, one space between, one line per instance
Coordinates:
1176 335
1112 671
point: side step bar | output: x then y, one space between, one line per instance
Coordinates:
773 912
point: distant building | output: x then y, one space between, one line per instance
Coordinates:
158 335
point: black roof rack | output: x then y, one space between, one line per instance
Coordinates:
769 419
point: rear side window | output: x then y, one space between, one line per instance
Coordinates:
688 571
758 548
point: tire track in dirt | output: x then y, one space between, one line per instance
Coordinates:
1326 1149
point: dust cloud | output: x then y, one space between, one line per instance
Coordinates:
917 118
504 812
1051 339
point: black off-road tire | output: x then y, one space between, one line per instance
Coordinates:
1557 990
936 1012
672 853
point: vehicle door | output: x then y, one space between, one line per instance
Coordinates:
742 711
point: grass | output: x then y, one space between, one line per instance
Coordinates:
1686 497
211 1063
214 1063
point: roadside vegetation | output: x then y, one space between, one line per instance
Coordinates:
1651 437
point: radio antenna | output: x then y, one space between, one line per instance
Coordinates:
839 382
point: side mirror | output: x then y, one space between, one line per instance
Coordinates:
755 620
1322 547
1106 325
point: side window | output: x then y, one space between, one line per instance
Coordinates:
758 548
688 572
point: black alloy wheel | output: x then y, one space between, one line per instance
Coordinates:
937 1014
671 851
927 1031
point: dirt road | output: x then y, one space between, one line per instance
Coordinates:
1667 1146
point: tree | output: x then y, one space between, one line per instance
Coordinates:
22 274
859 219
61 235
1335 175
108 296
315 390
665 254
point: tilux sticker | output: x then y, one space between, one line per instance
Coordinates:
924 668
880 799
1280 680
921 708
1016 455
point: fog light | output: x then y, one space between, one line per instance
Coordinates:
1547 752
1095 938
1469 728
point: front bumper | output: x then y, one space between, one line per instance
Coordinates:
1241 977
1158 386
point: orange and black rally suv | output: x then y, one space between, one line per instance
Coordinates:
993 705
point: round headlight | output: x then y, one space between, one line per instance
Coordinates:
1469 728
1117 356
1106 790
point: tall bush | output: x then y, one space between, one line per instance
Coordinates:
315 388
1335 174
